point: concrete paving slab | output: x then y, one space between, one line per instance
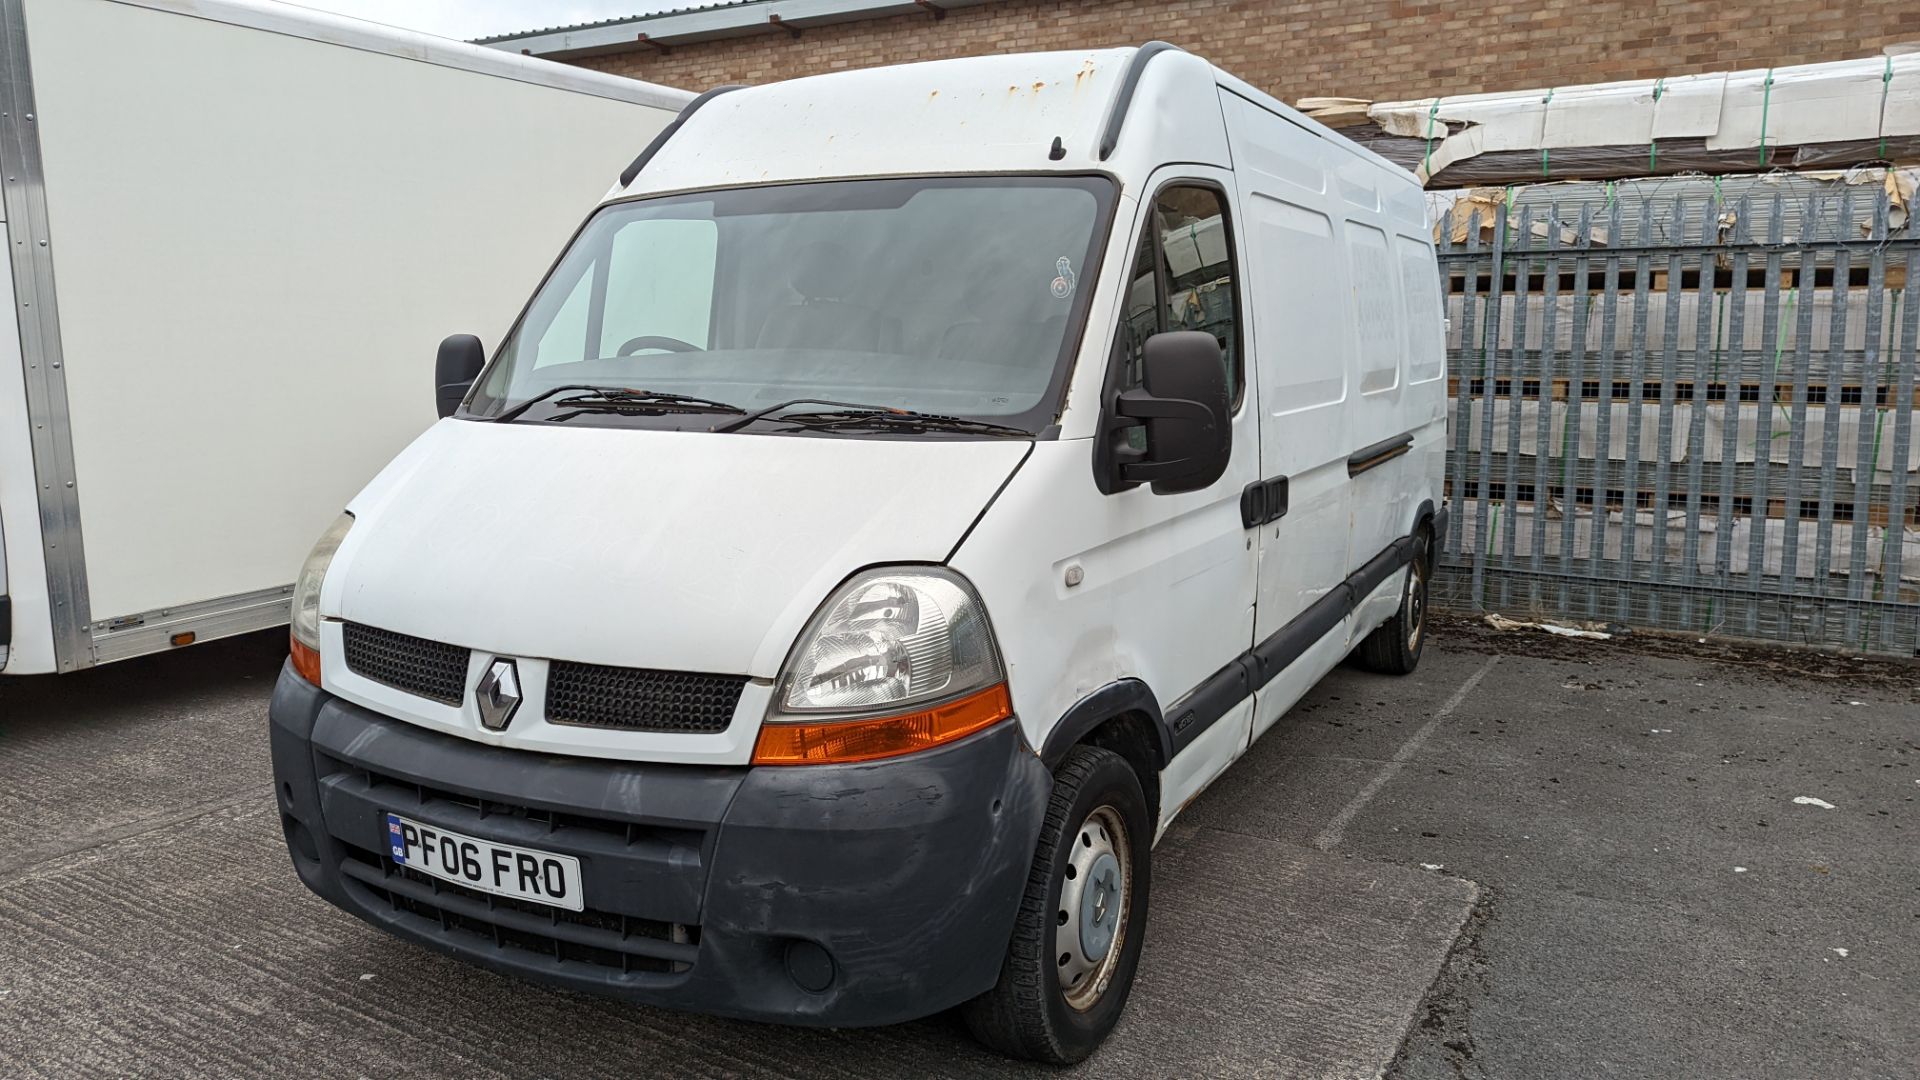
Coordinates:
111 751
191 949
1612 937
160 931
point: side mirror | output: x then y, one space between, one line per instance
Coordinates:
1183 404
454 369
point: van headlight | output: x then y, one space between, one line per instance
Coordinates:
896 660
304 625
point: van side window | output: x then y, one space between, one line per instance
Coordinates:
1183 280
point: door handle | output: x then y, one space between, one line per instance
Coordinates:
1263 501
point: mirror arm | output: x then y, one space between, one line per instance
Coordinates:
1138 406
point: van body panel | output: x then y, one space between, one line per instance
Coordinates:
706 552
1329 238
218 354
1166 582
1292 682
1295 269
1201 763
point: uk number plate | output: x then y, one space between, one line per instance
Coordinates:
502 869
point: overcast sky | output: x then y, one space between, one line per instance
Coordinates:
484 18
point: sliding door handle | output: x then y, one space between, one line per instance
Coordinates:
1263 501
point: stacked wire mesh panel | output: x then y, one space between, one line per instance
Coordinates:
1687 404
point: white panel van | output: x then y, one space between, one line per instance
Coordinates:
909 490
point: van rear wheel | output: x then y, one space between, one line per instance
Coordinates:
1394 648
1077 936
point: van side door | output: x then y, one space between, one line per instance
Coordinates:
1297 288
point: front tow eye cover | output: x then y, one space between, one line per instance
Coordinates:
498 694
809 966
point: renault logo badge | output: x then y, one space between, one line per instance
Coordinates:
498 694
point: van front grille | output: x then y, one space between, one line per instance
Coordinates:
429 669
641 699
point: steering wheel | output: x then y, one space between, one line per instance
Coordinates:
655 341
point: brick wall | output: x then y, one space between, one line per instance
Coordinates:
1377 49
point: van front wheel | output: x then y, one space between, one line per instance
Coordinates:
1077 936
1394 648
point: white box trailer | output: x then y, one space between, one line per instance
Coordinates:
233 224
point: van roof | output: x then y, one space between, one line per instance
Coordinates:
986 114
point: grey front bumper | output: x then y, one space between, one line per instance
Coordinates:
840 895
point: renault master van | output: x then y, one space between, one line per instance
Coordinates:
908 491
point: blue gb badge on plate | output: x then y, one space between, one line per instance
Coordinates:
396 839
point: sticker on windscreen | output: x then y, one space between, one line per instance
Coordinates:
1062 278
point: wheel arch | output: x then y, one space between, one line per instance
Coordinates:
1425 515
1123 716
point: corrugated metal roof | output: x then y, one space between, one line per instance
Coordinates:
728 18
662 13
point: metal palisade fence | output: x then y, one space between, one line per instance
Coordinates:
1688 405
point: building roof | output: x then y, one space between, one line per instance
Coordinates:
707 22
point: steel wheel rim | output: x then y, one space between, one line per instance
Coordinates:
1416 606
1096 894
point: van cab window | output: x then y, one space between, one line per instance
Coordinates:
655 281
954 296
1183 279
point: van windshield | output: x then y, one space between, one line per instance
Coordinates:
954 296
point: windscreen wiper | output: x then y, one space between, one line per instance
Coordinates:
893 420
619 397
849 415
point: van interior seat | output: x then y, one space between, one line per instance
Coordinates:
823 319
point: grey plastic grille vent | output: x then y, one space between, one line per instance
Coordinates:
640 699
425 668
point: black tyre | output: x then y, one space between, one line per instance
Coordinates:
1077 937
1394 648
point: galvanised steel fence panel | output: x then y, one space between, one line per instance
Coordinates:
1687 405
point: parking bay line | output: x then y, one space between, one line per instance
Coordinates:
1330 836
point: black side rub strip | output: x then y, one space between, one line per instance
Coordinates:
1129 82
1368 457
1258 666
660 140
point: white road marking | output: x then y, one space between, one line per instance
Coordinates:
1808 800
1330 836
